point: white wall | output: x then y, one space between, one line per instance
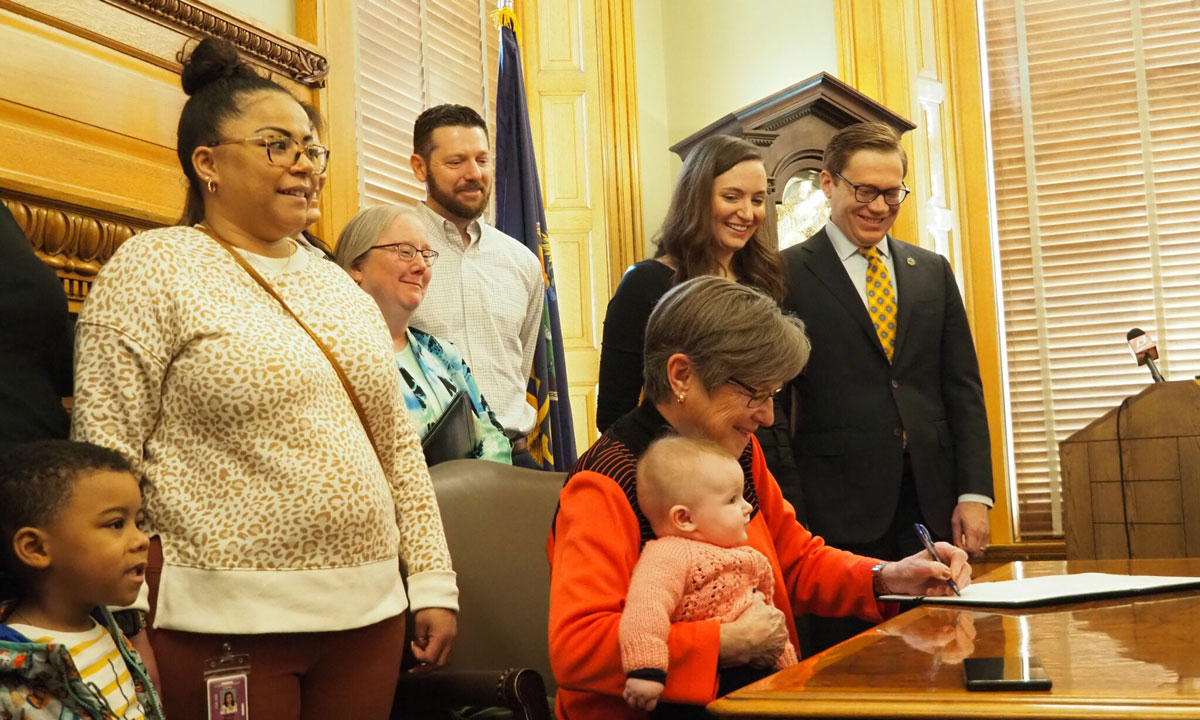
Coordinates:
275 15
698 60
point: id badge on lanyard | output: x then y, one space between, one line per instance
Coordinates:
228 681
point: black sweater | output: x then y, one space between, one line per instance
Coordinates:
621 359
35 342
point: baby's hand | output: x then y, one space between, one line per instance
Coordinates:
642 694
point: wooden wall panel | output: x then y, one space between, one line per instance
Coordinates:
559 35
571 253
1157 541
89 104
1155 502
1102 459
583 408
1107 504
565 152
69 136
1189 481
564 45
1151 459
1078 521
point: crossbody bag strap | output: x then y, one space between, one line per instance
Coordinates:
337 367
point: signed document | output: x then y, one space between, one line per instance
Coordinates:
1051 589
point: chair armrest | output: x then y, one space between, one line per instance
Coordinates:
521 690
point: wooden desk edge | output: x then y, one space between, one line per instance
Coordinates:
914 705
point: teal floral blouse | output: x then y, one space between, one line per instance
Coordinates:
434 372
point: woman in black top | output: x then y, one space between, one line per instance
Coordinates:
714 226
35 341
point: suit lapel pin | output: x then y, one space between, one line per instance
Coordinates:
912 261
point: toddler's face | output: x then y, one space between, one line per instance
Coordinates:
719 512
98 554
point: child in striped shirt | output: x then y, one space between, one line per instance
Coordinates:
69 547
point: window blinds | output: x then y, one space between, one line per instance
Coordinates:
1096 152
410 55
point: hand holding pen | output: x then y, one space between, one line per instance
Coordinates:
927 541
917 574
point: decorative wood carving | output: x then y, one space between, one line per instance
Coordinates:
170 24
73 240
298 63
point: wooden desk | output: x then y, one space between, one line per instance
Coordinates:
1119 658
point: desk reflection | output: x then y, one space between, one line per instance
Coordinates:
947 635
1114 658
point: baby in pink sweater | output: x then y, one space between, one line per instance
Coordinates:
698 568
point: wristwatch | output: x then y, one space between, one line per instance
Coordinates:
877 583
131 622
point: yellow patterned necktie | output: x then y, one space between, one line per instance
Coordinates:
881 300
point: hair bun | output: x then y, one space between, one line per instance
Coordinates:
210 61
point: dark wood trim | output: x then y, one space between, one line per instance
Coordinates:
72 239
195 18
1043 550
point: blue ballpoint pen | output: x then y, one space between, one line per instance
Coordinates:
923 534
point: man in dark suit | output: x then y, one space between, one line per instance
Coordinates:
888 421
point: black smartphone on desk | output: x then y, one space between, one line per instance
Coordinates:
1005 673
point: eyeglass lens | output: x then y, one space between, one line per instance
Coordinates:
891 196
409 253
286 151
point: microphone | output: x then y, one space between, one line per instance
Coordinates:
1145 350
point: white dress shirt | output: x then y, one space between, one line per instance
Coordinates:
487 299
856 263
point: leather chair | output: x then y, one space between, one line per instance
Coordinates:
497 518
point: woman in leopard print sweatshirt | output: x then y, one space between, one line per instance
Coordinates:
282 529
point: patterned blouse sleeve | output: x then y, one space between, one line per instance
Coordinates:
124 341
496 446
423 550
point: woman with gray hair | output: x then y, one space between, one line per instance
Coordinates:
385 251
716 352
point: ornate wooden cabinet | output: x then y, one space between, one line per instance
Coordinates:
792 127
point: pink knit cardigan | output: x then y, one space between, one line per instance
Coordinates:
682 580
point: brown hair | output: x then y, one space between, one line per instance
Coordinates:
686 236
877 136
726 330
447 115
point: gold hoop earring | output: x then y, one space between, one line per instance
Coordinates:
212 186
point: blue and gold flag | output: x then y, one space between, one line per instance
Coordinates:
519 213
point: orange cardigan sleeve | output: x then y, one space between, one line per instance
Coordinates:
819 579
593 551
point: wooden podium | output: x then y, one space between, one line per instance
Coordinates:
1146 498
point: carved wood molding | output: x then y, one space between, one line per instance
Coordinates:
73 240
294 61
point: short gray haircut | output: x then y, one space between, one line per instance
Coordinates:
726 330
363 231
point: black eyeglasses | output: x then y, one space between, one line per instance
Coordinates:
757 398
868 193
409 253
285 151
